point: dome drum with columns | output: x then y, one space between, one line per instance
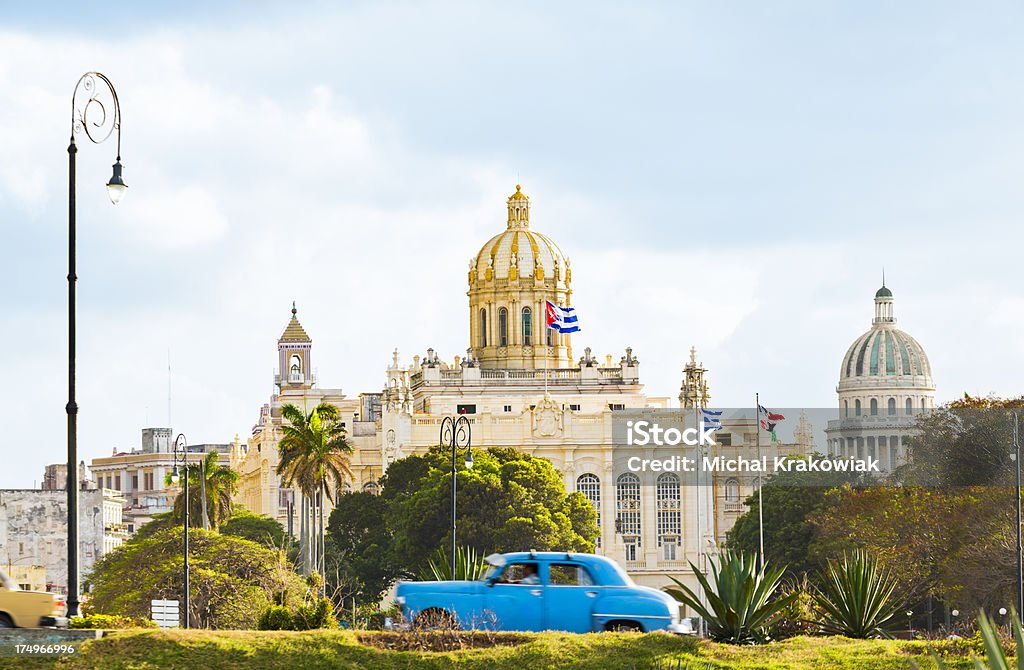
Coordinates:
509 281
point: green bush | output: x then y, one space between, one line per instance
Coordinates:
276 617
315 615
109 622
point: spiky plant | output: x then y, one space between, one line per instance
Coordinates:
859 598
740 607
469 565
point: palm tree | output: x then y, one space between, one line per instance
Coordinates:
314 456
211 488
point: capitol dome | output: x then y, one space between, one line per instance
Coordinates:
885 368
518 253
509 279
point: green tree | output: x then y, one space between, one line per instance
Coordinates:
508 501
359 563
790 499
216 484
314 455
232 580
257 528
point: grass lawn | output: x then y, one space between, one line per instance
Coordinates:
212 650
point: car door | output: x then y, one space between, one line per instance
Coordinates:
569 597
513 603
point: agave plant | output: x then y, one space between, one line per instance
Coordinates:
995 656
859 598
469 565
740 607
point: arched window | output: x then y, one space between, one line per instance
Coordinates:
371 487
856 407
589 485
668 498
846 408
502 327
527 327
627 506
922 405
732 490
892 406
550 337
295 368
874 407
910 406
483 327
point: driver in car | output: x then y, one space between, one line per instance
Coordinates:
529 574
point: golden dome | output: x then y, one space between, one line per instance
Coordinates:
519 253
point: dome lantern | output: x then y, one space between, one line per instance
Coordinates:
518 209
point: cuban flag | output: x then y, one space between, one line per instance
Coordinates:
711 419
562 319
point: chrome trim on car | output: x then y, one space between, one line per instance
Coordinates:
636 616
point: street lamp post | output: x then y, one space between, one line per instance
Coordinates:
181 448
1020 549
95 112
456 434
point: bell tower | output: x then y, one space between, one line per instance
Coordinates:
293 356
694 391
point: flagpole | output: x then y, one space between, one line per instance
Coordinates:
547 334
700 542
760 499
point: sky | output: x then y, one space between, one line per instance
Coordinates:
727 175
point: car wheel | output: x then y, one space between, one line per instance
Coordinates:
435 619
5 621
623 627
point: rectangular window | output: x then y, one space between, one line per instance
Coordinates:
508 408
466 409
117 482
574 408
670 551
724 439
616 406
630 552
568 574
135 482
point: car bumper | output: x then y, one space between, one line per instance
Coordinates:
681 629
53 622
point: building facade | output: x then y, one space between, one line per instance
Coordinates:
520 385
140 475
34 526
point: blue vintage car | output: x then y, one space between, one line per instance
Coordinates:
534 591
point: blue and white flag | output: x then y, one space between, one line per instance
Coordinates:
562 319
711 419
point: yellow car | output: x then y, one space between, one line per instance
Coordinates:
27 609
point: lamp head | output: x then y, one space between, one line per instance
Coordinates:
116 188
175 477
469 460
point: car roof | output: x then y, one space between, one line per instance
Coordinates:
553 556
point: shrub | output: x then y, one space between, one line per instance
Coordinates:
741 606
469 565
319 614
859 599
109 622
996 657
276 617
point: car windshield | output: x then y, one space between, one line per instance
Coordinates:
8 583
491 571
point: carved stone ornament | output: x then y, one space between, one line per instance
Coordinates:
547 418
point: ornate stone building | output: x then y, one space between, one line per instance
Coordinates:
885 382
521 386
